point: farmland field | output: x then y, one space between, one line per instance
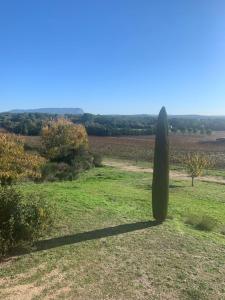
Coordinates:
105 244
141 148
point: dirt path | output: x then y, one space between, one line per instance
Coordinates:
128 166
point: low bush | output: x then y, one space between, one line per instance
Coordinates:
33 148
205 223
22 218
83 160
70 165
53 171
15 163
97 160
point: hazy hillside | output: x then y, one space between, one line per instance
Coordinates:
59 111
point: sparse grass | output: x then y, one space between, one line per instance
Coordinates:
123 256
222 230
205 223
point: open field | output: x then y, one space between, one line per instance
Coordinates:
141 148
106 246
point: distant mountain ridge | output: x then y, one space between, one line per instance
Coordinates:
55 111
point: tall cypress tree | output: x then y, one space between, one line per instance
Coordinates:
160 184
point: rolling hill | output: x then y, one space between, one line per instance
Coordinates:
58 111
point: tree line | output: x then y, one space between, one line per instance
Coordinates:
111 125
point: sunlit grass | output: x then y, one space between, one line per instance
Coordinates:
122 256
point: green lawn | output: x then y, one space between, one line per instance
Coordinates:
105 244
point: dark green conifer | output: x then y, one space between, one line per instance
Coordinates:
160 184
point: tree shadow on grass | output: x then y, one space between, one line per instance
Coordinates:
148 187
92 235
175 186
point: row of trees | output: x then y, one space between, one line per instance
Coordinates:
114 125
24 123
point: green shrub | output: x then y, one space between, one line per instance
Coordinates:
33 147
83 160
69 165
97 160
53 171
22 218
205 223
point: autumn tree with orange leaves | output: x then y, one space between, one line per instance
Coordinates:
61 138
15 163
196 163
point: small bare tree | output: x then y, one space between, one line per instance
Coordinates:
196 163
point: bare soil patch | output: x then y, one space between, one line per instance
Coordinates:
126 166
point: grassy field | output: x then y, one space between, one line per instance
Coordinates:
105 244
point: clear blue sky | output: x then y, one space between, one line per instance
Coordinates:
113 56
